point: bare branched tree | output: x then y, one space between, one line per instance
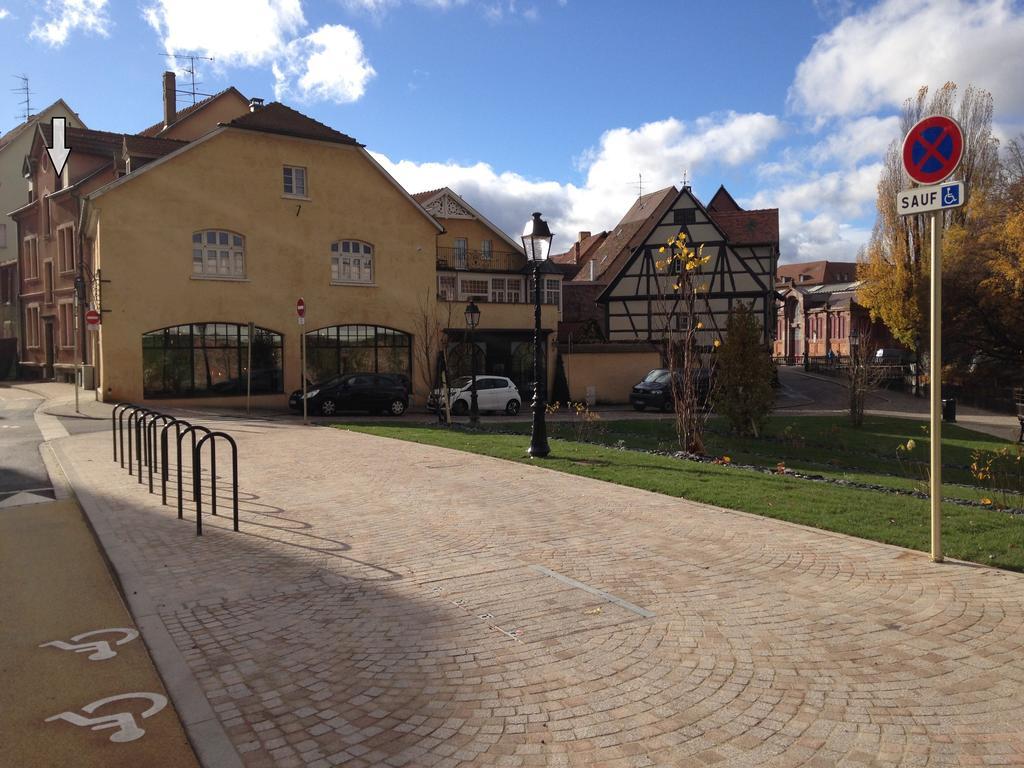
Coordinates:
433 319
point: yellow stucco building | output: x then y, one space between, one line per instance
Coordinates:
232 229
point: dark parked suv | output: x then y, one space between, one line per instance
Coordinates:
655 391
373 392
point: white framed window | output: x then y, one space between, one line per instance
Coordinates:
31 257
295 181
66 319
446 287
351 262
498 290
473 287
487 249
513 290
218 253
66 248
553 291
32 326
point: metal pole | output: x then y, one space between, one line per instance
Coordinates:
538 438
935 380
78 362
248 369
302 357
474 408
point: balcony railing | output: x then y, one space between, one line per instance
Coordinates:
480 261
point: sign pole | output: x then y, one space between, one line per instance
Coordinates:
248 369
305 403
935 377
78 362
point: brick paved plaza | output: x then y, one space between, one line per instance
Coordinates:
388 603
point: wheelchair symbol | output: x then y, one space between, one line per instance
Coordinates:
950 196
127 728
100 649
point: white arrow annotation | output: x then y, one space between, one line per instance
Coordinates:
59 152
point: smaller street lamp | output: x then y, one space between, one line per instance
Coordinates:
537 239
472 321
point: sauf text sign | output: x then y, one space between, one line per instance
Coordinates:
934 198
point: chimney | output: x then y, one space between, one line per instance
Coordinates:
255 104
583 236
170 96
593 270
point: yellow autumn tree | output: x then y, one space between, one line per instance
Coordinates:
896 263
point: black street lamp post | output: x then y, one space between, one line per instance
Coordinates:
537 244
472 321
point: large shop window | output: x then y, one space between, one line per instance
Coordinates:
209 360
218 253
357 349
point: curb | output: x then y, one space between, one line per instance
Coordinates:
205 733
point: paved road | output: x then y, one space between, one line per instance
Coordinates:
387 603
56 587
21 467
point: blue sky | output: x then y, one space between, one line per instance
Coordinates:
556 105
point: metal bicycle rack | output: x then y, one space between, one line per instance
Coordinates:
178 424
155 462
144 423
190 430
197 474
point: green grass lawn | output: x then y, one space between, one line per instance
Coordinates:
823 445
980 535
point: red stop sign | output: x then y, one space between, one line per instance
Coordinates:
300 308
92 317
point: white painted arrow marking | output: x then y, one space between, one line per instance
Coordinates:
59 152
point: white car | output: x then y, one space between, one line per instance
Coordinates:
493 393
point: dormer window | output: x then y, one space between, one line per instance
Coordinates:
295 181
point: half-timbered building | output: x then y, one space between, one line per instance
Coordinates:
640 302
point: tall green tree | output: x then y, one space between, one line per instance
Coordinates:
744 392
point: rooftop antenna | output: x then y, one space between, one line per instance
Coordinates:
26 98
190 70
639 184
686 179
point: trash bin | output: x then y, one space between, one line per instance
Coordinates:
949 409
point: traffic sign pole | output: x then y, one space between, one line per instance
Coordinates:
932 150
300 311
935 491
78 362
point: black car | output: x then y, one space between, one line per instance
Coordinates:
655 391
373 392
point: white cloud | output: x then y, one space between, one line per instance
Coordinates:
4 13
66 16
855 140
814 213
234 32
379 7
327 65
880 57
659 150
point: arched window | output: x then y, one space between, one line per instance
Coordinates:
210 360
218 253
341 349
351 262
